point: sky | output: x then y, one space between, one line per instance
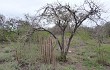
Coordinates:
17 8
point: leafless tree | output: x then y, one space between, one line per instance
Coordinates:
2 20
64 16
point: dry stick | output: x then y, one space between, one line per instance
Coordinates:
43 50
41 45
52 52
54 56
49 51
46 52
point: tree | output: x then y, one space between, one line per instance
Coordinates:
107 29
2 21
64 16
2 28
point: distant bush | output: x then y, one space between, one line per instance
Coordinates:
107 29
84 33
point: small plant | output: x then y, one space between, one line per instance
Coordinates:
5 57
101 55
7 50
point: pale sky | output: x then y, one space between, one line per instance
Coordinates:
13 8
17 8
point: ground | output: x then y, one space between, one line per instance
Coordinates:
82 56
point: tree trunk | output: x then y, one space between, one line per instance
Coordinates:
62 42
68 45
64 50
63 57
